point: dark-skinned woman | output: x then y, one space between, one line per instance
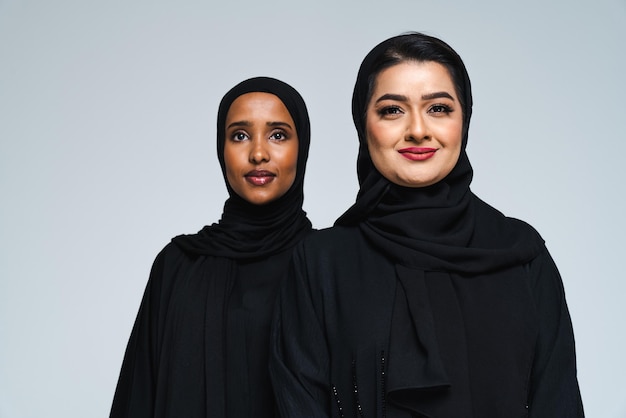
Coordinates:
199 346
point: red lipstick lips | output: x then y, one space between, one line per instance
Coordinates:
417 153
260 177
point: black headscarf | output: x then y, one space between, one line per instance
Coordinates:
427 231
443 226
246 230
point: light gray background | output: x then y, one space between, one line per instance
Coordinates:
107 129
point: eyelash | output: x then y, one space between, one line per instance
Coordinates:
389 110
283 136
235 136
443 108
395 110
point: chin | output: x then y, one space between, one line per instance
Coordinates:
414 182
261 200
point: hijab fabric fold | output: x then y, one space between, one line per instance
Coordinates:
443 227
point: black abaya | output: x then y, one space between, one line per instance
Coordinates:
486 346
423 301
175 365
199 346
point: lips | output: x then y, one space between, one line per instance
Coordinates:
259 177
417 153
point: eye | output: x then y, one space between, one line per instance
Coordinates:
389 111
239 136
440 108
278 136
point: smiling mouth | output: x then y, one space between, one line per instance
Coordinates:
259 177
417 153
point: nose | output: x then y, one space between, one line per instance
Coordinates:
417 128
258 151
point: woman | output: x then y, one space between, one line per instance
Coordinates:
199 347
422 301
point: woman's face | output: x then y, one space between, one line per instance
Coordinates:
414 124
261 147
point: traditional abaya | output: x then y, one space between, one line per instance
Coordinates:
423 302
199 346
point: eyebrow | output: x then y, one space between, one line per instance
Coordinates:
403 98
278 124
246 124
437 95
243 123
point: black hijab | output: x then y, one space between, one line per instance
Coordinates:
246 230
443 226
442 230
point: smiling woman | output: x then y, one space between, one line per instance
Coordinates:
413 124
200 343
422 301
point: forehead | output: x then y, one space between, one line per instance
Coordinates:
414 77
258 105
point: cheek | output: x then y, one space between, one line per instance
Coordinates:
229 154
375 140
454 145
383 134
292 161
449 134
457 139
231 163
287 160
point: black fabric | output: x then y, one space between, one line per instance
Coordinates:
450 261
199 346
441 227
486 345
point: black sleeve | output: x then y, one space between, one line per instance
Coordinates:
135 392
299 360
553 388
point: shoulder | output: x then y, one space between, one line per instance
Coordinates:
487 212
170 251
543 271
494 225
171 265
168 261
